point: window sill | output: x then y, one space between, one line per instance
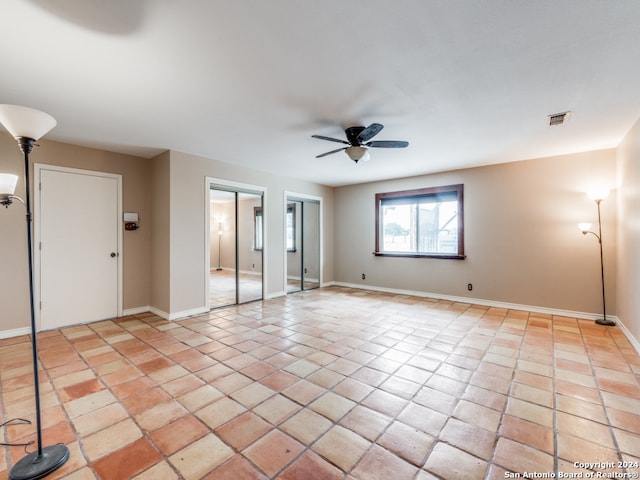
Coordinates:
420 255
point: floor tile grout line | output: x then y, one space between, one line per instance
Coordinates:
146 434
503 412
61 403
436 439
275 427
337 422
91 464
602 401
308 447
556 453
378 387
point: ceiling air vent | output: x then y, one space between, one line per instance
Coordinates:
559 118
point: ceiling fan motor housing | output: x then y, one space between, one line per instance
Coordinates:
352 135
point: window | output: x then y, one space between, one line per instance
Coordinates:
426 222
257 228
291 227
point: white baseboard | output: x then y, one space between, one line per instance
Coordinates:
178 315
158 312
16 332
136 311
188 313
307 279
628 334
251 272
247 272
281 293
475 301
492 303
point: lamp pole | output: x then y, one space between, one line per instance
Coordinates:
584 227
44 460
219 244
604 320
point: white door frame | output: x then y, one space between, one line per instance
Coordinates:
38 168
314 198
209 183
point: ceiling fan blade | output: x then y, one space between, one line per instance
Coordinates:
332 151
370 132
388 144
321 137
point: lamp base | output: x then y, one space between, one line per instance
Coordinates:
35 466
605 322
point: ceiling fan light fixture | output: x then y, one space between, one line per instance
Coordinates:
357 153
359 141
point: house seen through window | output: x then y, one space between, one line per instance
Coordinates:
424 222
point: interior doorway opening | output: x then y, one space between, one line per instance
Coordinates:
236 247
77 226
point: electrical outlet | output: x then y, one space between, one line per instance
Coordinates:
469 286
363 276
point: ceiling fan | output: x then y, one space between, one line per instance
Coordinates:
358 142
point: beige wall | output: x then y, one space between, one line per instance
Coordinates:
14 294
14 303
187 264
521 238
629 232
159 246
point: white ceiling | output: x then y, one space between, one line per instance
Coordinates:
466 82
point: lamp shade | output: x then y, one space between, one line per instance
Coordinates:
8 183
358 153
599 193
584 227
25 122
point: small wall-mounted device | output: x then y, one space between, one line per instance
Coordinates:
131 221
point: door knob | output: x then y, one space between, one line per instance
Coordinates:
114 254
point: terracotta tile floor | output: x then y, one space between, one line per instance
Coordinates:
333 383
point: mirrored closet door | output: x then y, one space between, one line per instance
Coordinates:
236 241
303 243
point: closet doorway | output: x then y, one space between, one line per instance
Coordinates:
236 232
77 226
303 235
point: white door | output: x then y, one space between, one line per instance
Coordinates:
79 246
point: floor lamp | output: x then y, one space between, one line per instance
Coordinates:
598 197
219 244
27 126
